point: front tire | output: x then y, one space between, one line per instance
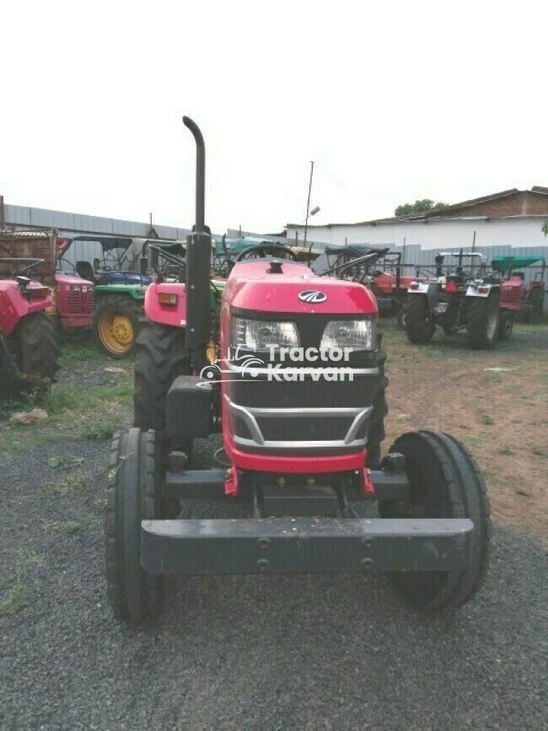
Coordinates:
445 482
132 496
506 325
534 308
419 323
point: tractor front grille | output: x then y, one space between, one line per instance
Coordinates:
302 412
306 431
280 429
80 303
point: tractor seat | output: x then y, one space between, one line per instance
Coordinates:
85 270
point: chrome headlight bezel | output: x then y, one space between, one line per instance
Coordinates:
350 335
261 335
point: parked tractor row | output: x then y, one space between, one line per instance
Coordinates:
104 295
475 298
480 301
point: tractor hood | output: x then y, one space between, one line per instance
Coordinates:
253 286
71 280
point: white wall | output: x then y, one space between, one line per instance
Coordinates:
522 231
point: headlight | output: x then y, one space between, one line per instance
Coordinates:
260 334
354 334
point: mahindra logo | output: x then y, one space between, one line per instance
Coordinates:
312 296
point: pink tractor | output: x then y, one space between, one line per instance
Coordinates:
28 345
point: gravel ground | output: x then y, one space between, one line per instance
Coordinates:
250 652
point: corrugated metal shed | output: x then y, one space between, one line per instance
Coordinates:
75 223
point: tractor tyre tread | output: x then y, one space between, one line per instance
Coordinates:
418 327
134 595
465 496
37 346
537 305
160 358
477 322
506 325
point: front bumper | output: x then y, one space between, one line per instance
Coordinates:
304 545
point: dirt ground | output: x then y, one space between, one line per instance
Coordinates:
501 415
274 652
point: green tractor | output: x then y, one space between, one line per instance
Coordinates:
120 268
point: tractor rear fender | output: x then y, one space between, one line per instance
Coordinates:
166 303
430 289
481 290
14 306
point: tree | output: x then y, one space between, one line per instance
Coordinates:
545 228
419 206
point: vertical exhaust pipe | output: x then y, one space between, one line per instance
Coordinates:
198 263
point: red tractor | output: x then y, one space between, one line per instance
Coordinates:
28 345
515 295
299 398
379 269
71 308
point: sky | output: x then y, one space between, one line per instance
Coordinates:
393 101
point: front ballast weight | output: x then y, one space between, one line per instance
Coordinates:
434 543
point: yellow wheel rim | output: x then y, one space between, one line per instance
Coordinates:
116 333
211 352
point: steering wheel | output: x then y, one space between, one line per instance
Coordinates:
272 249
35 263
70 265
27 267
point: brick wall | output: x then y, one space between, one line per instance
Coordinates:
525 203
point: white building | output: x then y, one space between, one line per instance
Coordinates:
511 218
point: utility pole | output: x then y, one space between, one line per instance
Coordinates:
308 201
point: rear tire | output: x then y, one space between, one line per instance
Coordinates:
483 322
116 324
36 347
535 307
160 358
506 325
132 496
419 323
445 482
